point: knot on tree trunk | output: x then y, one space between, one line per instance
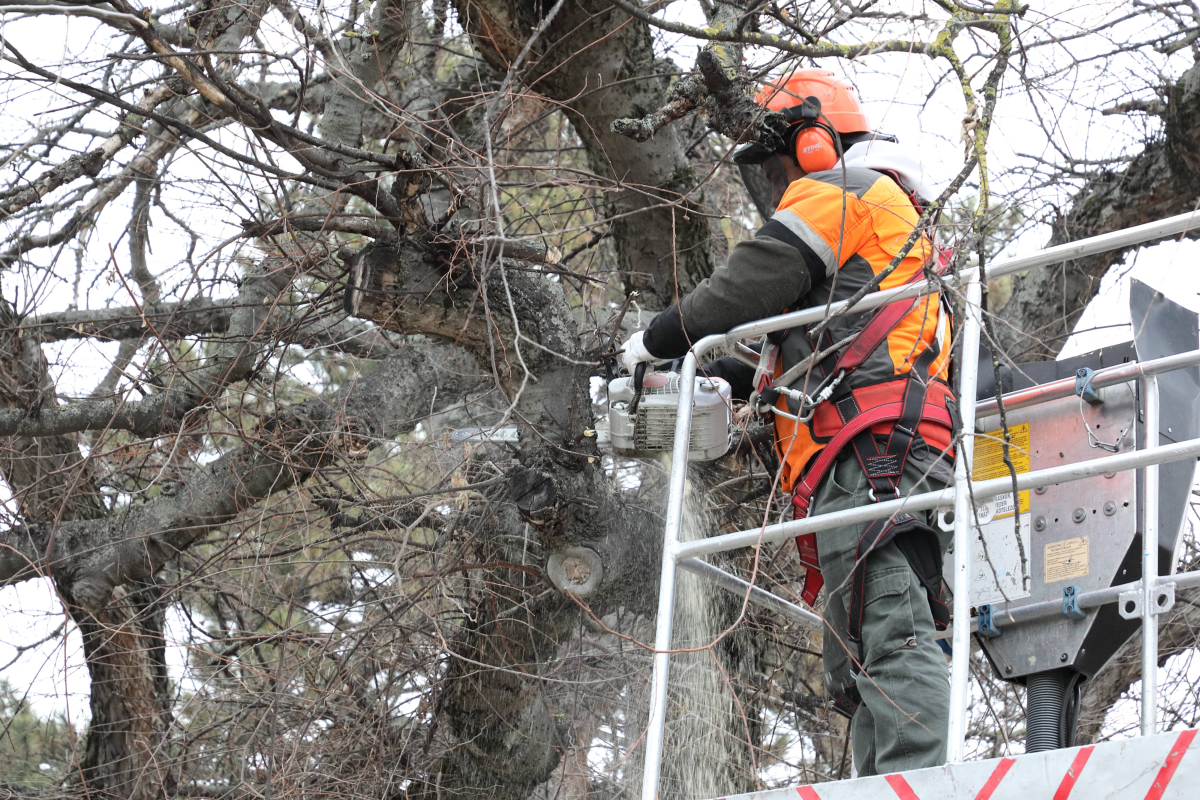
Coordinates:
535 493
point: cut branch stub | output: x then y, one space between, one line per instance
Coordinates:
577 570
413 180
407 289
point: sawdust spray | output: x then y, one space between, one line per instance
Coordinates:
705 746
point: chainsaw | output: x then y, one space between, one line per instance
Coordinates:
642 411
643 408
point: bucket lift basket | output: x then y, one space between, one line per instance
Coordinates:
1153 382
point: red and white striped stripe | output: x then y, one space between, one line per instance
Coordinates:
1162 767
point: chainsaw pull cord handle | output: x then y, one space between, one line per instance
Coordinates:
639 378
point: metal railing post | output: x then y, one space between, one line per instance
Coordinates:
960 661
1150 563
666 587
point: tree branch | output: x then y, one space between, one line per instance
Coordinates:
89 163
34 7
1162 180
96 556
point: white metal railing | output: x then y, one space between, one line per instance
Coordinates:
689 555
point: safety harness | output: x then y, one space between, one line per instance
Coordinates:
913 412
918 406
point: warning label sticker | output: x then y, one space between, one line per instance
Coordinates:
999 561
1066 559
989 462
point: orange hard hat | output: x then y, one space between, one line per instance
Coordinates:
836 113
838 97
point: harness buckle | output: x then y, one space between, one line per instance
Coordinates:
875 499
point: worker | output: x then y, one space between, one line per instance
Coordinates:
869 421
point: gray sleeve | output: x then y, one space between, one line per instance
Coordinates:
762 277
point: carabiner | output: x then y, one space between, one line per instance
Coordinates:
825 391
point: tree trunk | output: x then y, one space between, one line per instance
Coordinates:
1164 179
126 754
507 739
123 643
600 64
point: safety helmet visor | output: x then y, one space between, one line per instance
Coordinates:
751 154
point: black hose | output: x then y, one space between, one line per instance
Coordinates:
1044 710
1070 709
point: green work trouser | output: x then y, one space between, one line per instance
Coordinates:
904 684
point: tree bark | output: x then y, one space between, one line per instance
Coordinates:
126 752
507 740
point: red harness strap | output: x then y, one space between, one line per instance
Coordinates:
883 323
806 543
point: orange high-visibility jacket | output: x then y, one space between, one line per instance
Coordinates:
833 231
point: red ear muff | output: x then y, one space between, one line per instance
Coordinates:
815 150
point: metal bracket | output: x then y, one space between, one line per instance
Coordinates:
1129 604
1084 388
987 626
1164 597
1071 603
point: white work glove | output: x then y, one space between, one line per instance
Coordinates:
634 352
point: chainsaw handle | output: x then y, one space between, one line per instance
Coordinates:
639 379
